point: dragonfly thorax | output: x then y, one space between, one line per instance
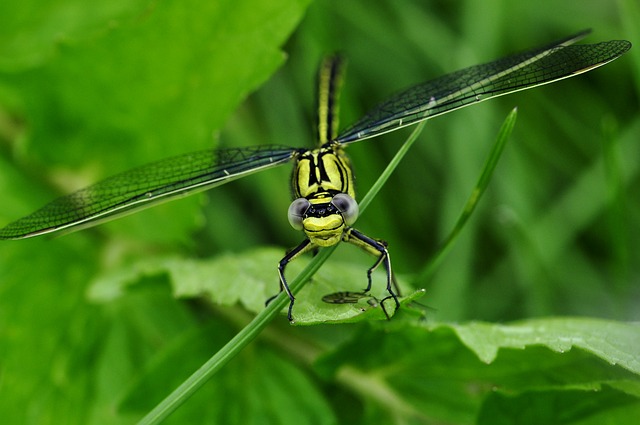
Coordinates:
326 169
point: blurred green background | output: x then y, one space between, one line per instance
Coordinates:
90 90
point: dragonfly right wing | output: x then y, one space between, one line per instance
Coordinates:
146 186
481 82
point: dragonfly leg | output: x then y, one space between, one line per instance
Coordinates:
305 246
378 248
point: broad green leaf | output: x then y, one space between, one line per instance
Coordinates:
446 372
615 342
157 83
48 334
88 90
31 30
17 192
257 387
251 278
596 406
143 323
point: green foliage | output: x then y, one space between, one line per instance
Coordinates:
446 373
528 318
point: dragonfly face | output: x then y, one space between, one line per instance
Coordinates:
324 207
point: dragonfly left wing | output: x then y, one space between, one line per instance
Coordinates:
146 186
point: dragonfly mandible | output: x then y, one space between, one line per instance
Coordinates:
324 207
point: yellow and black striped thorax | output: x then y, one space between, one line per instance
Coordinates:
322 173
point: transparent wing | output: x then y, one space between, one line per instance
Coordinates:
471 85
145 186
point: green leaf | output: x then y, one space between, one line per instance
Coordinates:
265 388
18 193
250 278
47 333
450 373
595 406
152 83
31 30
88 90
617 343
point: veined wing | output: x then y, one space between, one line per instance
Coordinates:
146 186
481 82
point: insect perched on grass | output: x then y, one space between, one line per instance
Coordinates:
324 207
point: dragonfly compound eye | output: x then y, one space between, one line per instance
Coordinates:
297 209
347 206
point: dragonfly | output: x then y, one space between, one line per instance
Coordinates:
324 206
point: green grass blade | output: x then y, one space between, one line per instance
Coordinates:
366 200
253 329
617 206
233 347
474 198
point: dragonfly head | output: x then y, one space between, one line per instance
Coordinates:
323 218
